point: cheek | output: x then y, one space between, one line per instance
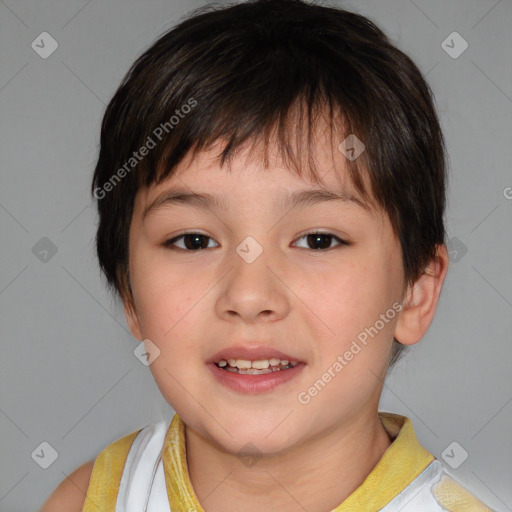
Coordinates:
350 304
169 305
165 296
346 297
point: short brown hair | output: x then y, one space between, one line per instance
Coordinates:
242 70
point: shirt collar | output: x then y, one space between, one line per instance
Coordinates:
402 462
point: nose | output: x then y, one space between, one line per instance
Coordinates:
254 291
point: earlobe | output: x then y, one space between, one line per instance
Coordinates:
132 319
421 300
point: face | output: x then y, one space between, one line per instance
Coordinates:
252 274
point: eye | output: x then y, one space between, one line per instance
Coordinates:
197 241
192 241
321 241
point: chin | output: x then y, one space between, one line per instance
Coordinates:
252 438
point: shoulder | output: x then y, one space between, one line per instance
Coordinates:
454 497
69 496
97 480
434 490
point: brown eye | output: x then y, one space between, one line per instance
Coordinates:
321 241
191 242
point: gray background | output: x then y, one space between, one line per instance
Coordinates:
68 373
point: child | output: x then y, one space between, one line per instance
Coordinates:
272 349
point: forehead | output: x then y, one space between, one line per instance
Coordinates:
201 180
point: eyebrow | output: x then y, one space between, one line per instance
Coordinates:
207 201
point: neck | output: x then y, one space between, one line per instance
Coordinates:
315 476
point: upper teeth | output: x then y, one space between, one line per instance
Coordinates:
259 364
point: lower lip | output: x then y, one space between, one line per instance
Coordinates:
254 384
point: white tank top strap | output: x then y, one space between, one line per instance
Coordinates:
142 487
417 496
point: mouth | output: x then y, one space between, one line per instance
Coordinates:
256 367
250 380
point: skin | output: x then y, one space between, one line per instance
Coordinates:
306 302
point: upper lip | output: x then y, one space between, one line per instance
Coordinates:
251 353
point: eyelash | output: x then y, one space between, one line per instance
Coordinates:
169 244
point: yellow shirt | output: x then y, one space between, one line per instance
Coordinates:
394 484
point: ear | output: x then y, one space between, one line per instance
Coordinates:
421 299
131 318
